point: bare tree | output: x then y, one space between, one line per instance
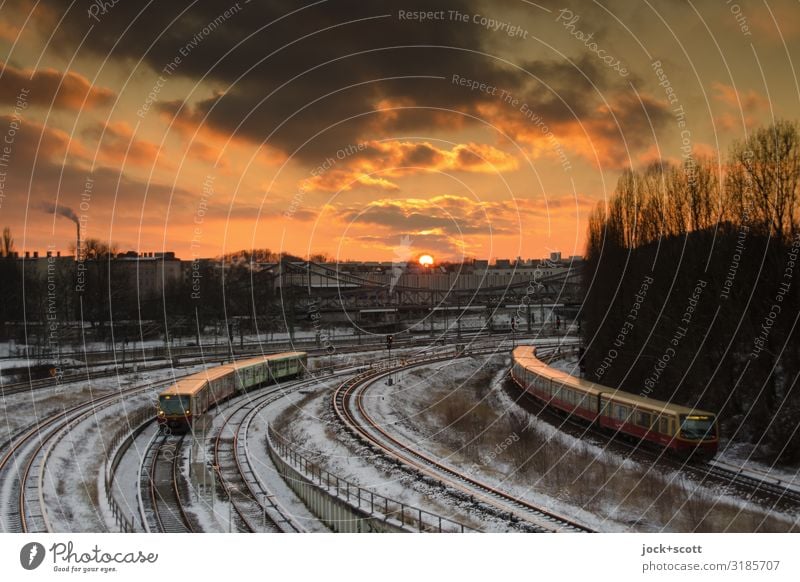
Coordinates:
764 176
6 243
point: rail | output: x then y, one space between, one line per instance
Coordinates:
395 514
545 520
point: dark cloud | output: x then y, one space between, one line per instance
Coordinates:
322 73
451 216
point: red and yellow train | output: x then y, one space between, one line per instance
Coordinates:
683 430
191 397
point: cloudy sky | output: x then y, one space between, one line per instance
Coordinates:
477 129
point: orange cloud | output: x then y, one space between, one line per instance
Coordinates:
739 107
48 86
119 146
42 143
8 31
378 161
188 123
452 225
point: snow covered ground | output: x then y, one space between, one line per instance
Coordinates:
25 409
211 507
310 425
731 454
71 490
461 412
741 455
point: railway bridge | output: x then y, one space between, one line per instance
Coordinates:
307 287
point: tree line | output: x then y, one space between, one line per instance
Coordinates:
693 288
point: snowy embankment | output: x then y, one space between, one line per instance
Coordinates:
309 423
463 412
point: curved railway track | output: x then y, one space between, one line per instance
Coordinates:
161 497
775 488
163 487
22 466
348 407
88 372
255 505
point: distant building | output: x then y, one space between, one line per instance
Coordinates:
151 273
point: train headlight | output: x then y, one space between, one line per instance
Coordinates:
188 412
161 413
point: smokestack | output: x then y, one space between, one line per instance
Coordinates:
78 243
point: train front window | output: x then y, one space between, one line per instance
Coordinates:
697 427
174 404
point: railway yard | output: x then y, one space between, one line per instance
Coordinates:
430 436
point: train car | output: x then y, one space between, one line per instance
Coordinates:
554 387
191 397
680 429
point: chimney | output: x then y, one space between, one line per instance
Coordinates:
27 254
58 253
49 254
35 254
78 242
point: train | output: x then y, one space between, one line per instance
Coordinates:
681 430
191 397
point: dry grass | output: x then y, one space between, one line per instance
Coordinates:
635 496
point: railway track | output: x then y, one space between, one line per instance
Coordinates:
742 478
255 505
348 407
22 466
161 497
87 373
162 487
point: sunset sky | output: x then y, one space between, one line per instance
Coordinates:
486 129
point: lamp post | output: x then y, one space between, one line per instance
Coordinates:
513 332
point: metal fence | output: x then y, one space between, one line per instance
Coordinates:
372 508
119 444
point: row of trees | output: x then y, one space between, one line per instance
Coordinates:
758 186
693 288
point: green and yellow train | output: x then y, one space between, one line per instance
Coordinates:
191 397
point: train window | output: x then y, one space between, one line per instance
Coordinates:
663 425
643 419
621 413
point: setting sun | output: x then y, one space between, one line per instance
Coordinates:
426 260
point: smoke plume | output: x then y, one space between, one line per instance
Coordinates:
64 211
